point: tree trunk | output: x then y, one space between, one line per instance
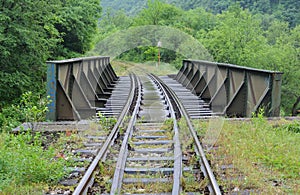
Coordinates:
296 111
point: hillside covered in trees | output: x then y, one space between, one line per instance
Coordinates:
260 34
263 34
283 10
240 33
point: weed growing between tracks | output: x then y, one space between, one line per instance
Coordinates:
191 182
262 157
107 123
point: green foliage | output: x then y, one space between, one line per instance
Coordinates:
131 7
11 86
150 54
31 108
235 35
23 160
287 10
27 35
158 13
186 4
77 26
10 117
197 20
291 127
107 123
237 38
262 154
32 32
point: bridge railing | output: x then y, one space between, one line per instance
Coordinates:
77 86
233 90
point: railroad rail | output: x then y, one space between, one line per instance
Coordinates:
87 179
82 86
214 187
148 151
150 159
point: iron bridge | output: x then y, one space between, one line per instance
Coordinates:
78 87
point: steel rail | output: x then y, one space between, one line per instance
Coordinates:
176 190
120 166
204 161
85 181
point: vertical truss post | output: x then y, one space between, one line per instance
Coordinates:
51 91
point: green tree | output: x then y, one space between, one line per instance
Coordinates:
77 26
288 46
237 38
243 35
196 20
130 7
32 32
158 13
27 36
276 29
112 22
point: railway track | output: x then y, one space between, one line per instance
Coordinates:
146 152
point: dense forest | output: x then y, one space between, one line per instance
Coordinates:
283 10
32 32
240 33
261 34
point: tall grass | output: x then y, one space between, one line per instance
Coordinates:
266 156
25 164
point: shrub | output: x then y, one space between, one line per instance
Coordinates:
23 161
31 108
